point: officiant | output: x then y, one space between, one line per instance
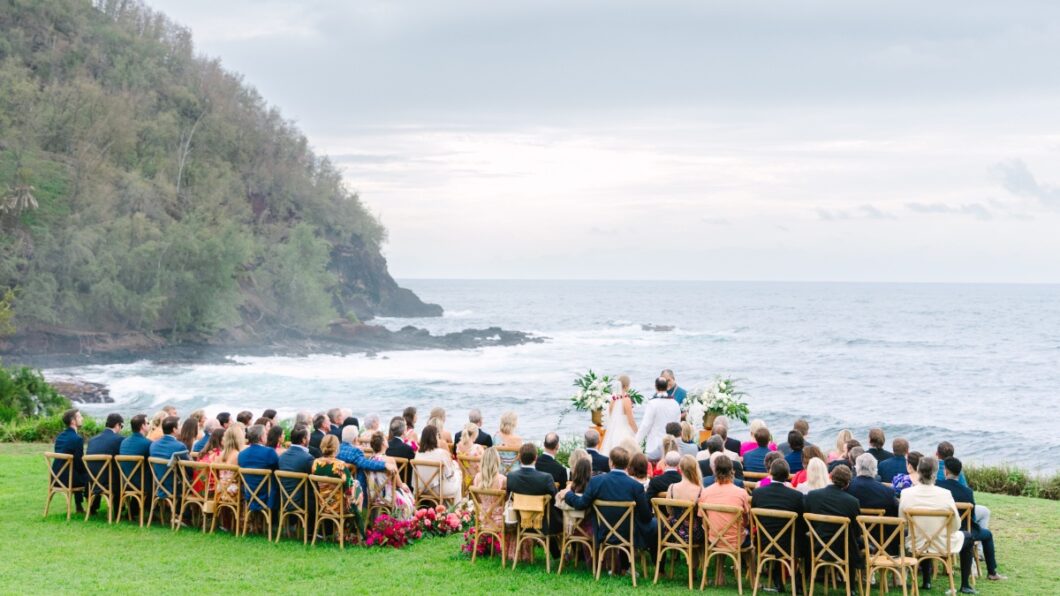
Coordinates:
674 391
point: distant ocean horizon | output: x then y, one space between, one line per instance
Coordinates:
977 364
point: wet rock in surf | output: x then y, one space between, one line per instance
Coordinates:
83 392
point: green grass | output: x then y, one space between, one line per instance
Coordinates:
55 556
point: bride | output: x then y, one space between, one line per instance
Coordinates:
620 423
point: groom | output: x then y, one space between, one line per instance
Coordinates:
660 411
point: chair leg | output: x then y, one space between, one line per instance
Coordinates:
69 504
633 566
48 502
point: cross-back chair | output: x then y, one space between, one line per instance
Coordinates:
98 469
832 554
776 546
332 507
165 490
489 507
675 534
291 492
885 551
132 480
719 545
256 497
930 537
61 480
197 480
228 496
618 536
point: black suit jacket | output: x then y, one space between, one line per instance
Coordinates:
314 442
731 444
107 442
658 485
601 464
528 481
481 439
831 500
547 464
777 496
398 448
880 454
873 495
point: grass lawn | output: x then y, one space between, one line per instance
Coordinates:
55 556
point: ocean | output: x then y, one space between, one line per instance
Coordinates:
977 365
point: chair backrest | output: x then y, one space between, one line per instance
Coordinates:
718 535
966 510
754 475
884 537
779 542
61 475
191 473
402 465
489 504
130 471
168 474
468 466
532 511
749 486
299 483
871 511
232 471
98 469
509 456
328 494
427 479
256 486
830 549
929 531
673 515
613 532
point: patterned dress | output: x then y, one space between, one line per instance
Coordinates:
382 492
350 489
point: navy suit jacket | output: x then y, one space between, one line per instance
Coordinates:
168 447
616 485
831 500
314 442
873 495
259 457
889 467
295 459
482 438
197 446
107 442
658 485
755 459
71 443
961 494
139 445
601 464
794 459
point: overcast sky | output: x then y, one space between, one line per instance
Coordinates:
882 141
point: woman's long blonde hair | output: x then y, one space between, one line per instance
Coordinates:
841 441
689 468
816 474
489 468
467 438
669 443
624 382
156 420
508 422
233 441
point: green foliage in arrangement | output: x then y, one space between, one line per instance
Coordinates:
144 188
24 394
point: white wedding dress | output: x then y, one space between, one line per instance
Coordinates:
618 428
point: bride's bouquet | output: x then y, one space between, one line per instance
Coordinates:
593 392
720 398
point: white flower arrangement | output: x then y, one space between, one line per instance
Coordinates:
593 392
719 397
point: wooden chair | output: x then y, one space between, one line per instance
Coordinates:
378 504
98 469
754 476
132 478
749 486
168 498
574 535
61 480
776 547
532 512
932 544
192 472
669 534
223 500
427 482
289 498
331 506
719 545
616 536
885 551
256 497
404 469
825 554
489 506
468 468
967 514
509 457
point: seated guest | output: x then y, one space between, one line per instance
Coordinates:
841 441
670 475
794 455
903 481
259 457
754 460
411 437
848 456
721 429
778 495
870 493
303 418
199 416
189 433
108 442
245 418
467 447
528 481
210 453
876 442
385 488
546 462
265 423
944 451
232 443
688 487
155 432
715 444
209 426
897 464
599 460
808 452
168 448
638 469
925 495
71 443
371 426
771 457
329 465
962 494
816 476
296 459
724 492
136 444
335 419
350 453
756 425
274 439
616 485
489 475
451 478
506 436
834 500
224 419
445 438
672 429
688 444
482 438
347 422
397 447
803 427
270 414
321 429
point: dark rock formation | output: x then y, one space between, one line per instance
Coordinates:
366 287
83 392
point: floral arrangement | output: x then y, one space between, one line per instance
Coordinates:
388 531
593 392
486 546
721 397
429 521
438 521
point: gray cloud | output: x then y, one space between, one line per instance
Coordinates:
1017 178
977 210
